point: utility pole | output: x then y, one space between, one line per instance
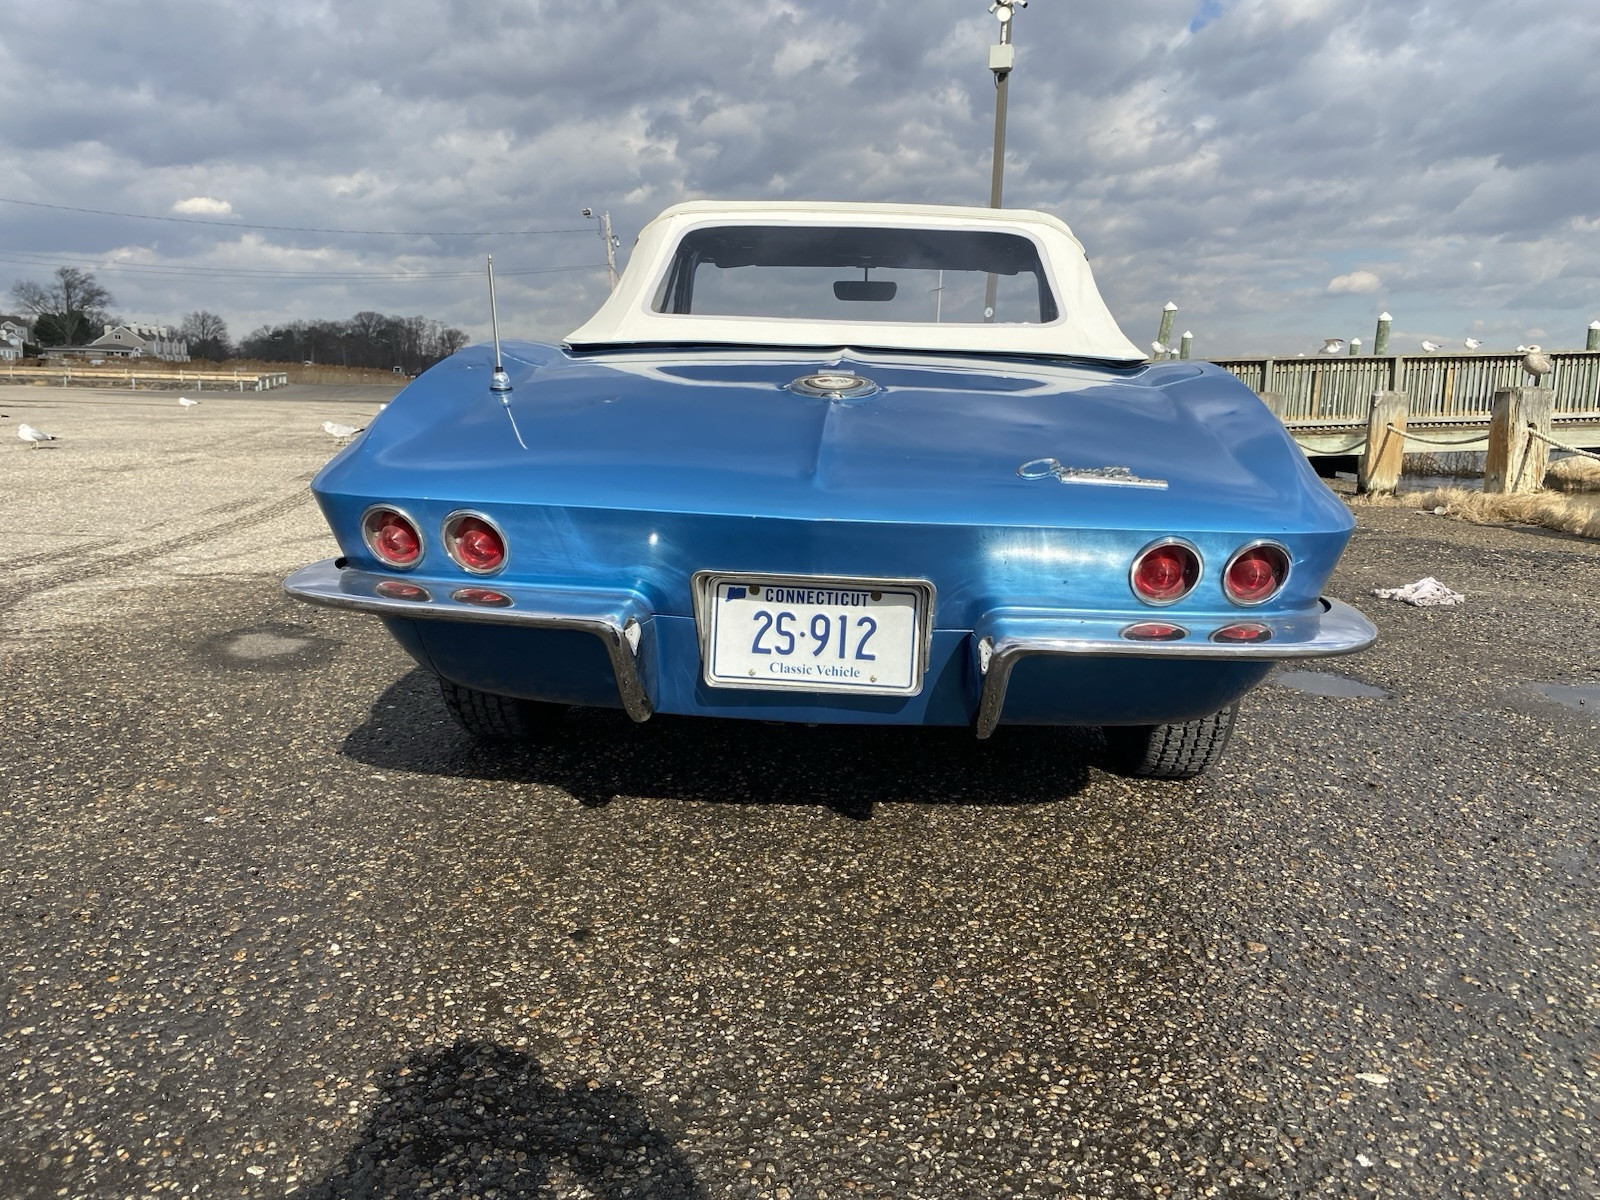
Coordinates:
1002 58
611 244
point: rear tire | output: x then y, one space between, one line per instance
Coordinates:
1178 751
494 718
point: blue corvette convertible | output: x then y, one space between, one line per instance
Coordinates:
842 463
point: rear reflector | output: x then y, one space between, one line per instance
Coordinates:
1165 572
1244 633
396 589
482 597
392 537
1155 631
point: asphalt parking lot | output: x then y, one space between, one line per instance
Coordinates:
274 926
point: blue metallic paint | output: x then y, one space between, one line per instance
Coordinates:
641 467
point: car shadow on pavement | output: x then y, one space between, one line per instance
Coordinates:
599 754
481 1119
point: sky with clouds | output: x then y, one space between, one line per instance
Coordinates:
1281 169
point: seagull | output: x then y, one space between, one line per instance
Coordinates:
1472 343
1522 349
1158 349
337 430
1431 347
1332 345
1537 363
186 402
34 436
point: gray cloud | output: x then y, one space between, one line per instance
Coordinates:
1446 149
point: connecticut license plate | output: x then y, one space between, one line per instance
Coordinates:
833 635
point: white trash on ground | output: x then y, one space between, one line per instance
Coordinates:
1424 593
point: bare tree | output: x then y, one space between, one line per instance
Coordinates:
207 335
68 312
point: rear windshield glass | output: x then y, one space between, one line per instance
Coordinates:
820 273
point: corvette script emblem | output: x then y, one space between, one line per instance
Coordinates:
1042 468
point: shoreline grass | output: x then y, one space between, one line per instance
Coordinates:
1548 509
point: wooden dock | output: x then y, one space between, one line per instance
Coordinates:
1325 401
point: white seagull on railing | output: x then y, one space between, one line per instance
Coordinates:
34 436
186 402
1472 343
1431 347
1332 345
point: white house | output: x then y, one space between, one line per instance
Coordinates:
141 341
12 337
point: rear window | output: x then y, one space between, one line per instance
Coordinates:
829 273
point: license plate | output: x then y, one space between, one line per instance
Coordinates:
815 635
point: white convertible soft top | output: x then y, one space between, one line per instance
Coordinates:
1084 329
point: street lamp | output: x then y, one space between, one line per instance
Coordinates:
1001 59
611 243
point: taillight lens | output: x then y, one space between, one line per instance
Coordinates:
1165 572
476 545
392 537
1256 574
1244 634
1155 631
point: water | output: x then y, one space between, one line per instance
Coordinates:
1573 695
1325 683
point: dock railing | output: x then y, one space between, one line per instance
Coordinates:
1441 388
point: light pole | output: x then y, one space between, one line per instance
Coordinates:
611 244
1001 59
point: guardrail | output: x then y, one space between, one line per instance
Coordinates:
1338 391
158 377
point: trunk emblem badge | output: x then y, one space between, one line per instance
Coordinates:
833 385
1043 468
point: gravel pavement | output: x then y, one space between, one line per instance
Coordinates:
273 926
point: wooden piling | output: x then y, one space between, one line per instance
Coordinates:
1167 314
1381 461
1517 460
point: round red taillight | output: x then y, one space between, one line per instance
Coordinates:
1165 572
474 543
392 537
1256 574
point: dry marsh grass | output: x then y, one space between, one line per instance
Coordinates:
1548 509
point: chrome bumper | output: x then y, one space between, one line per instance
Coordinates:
1006 636
621 620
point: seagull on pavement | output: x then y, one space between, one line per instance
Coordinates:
337 430
1431 347
34 436
1332 345
186 402
1472 343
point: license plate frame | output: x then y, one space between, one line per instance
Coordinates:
715 631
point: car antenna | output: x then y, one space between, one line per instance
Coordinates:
500 382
